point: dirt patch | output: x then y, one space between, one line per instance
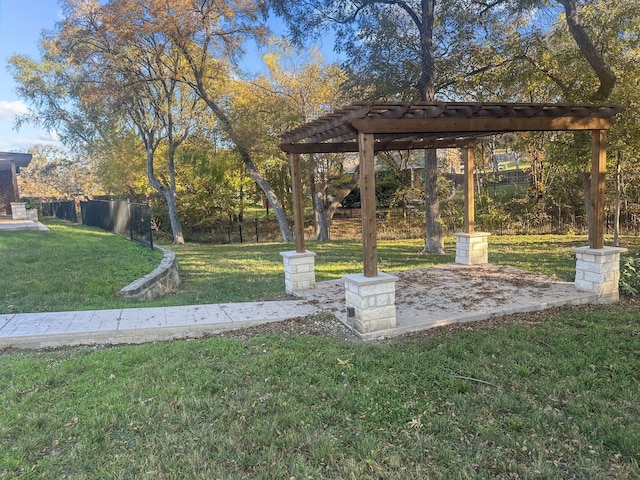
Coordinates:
322 325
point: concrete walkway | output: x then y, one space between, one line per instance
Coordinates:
425 298
139 325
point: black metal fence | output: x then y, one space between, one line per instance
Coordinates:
61 210
119 216
247 231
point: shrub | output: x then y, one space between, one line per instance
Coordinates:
630 277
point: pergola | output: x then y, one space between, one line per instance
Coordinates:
370 127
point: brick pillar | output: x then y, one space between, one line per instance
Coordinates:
598 271
472 248
373 300
299 271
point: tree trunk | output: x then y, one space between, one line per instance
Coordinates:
433 239
616 224
176 227
322 222
254 173
597 63
272 198
168 193
321 229
329 211
434 242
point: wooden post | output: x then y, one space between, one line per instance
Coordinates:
14 182
469 205
368 203
298 207
597 200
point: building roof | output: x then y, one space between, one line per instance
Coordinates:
19 159
413 125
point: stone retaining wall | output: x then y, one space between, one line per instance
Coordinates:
164 279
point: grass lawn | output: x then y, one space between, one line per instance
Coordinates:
80 268
70 267
536 397
550 395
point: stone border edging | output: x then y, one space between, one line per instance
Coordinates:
162 280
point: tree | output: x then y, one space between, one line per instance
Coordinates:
116 61
120 164
209 38
54 173
130 65
298 88
392 46
583 52
211 181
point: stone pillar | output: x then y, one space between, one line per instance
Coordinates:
472 248
299 271
19 211
373 300
32 214
598 271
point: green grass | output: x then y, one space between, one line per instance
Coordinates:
71 267
506 193
550 396
78 268
511 165
551 399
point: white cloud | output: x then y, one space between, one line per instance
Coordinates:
9 110
24 143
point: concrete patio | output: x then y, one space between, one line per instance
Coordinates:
8 223
442 295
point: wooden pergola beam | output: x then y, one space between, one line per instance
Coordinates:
378 146
469 205
597 194
479 125
298 210
368 204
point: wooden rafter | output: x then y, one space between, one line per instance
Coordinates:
445 124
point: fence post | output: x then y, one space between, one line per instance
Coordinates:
149 225
240 229
129 221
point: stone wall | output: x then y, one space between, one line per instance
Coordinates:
164 279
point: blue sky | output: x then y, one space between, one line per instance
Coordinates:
21 25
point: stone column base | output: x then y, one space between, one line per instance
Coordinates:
472 248
19 211
373 300
299 271
598 271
